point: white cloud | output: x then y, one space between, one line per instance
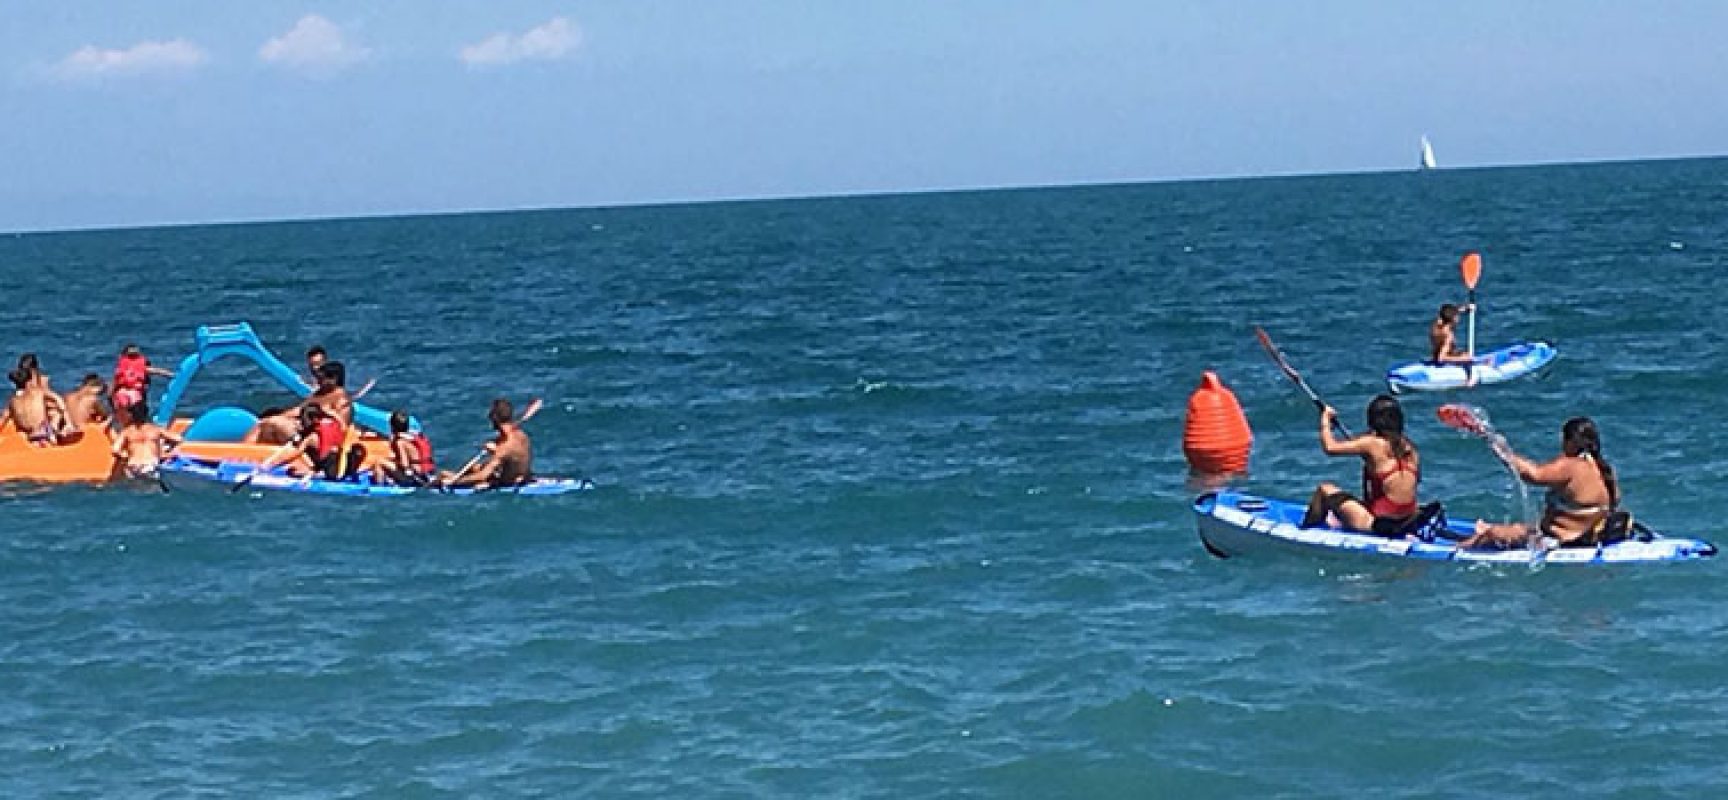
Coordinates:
143 58
314 45
551 41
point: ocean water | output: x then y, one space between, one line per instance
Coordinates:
891 503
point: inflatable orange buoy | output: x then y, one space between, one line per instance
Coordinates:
1215 437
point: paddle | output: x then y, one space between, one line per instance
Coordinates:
527 414
280 451
1295 377
1474 421
1470 268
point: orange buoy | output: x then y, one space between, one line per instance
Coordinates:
1215 437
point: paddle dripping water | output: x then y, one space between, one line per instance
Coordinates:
1473 420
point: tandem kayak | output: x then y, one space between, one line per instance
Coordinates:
1235 524
1499 366
192 475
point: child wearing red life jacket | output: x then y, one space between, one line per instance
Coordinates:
131 382
320 440
411 462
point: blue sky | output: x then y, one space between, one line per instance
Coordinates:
123 113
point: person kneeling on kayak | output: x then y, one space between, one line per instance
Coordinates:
320 441
410 461
1391 470
1582 505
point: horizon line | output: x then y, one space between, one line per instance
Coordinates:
839 195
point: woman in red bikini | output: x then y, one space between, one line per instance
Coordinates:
1391 469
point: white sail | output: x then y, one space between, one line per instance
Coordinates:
1427 154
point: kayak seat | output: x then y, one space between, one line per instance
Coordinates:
1428 524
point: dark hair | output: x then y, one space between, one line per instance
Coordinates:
501 411
273 411
20 377
29 367
309 414
1386 420
1448 313
334 371
139 411
315 350
92 379
1580 433
130 349
399 421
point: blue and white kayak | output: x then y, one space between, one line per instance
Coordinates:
1499 366
1234 524
191 475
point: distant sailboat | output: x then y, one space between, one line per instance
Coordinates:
1427 155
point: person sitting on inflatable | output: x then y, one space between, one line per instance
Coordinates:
84 404
1582 497
1390 474
33 411
132 373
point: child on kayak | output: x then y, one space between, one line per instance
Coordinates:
141 444
1582 492
1443 341
320 443
1391 470
411 462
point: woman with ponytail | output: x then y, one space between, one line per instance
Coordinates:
1390 473
1582 492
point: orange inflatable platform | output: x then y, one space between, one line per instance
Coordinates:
86 459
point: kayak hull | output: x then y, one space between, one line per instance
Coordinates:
1232 524
190 475
1498 366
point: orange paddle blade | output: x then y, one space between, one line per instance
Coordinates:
1471 269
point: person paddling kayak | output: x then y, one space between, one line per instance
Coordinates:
320 442
1582 492
512 454
1443 341
1391 470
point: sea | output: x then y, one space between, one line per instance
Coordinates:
890 502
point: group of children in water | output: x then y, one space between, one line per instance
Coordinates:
1580 508
316 437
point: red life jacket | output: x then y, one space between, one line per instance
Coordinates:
132 372
329 432
423 450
